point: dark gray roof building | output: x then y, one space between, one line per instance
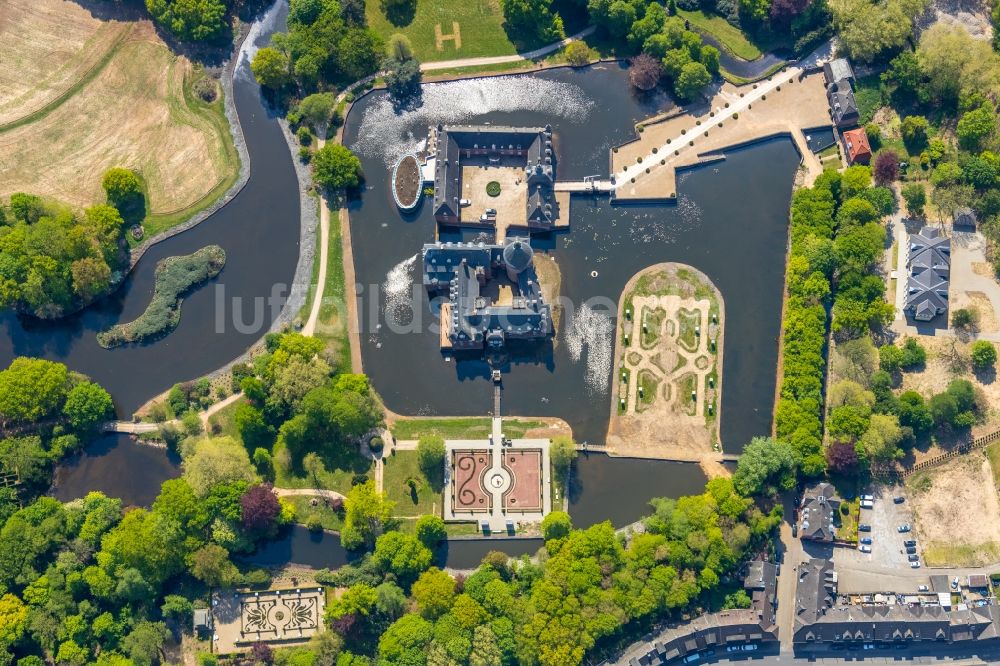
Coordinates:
928 262
471 319
495 144
821 618
964 217
817 513
838 70
843 106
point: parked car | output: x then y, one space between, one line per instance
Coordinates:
867 504
910 550
795 530
864 528
491 211
954 583
905 527
898 499
870 498
691 658
915 565
869 646
866 540
465 202
910 542
913 558
922 588
777 570
865 548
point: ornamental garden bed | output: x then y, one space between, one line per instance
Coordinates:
406 182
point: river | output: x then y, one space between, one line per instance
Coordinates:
730 222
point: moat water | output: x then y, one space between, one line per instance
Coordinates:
730 222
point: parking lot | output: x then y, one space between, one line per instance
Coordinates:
885 517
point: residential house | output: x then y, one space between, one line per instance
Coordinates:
856 145
928 263
817 513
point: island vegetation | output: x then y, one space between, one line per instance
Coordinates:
55 260
175 277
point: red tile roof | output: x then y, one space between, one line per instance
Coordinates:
858 149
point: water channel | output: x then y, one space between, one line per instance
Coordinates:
730 222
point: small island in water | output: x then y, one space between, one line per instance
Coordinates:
175 277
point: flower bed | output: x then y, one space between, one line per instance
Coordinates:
493 188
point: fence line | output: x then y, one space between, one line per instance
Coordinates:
962 449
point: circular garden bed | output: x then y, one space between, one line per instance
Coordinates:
493 188
406 182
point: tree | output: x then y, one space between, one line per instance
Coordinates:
886 167
405 642
434 592
254 430
914 354
366 514
914 413
177 608
431 530
841 457
976 125
882 438
532 20
402 80
556 525
121 186
361 52
578 53
335 167
984 354
954 64
401 554
190 20
214 460
868 28
485 648
211 565
317 111
430 455
271 68
915 197
143 643
87 406
890 357
149 542
766 465
259 509
966 319
91 277
562 453
399 47
693 77
855 180
914 131
644 72
31 389
13 620
399 12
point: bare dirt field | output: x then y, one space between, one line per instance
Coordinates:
132 108
949 530
948 359
45 47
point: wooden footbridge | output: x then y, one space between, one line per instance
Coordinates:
717 456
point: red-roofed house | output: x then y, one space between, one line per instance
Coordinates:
856 144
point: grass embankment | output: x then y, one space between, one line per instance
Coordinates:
339 471
459 428
480 29
731 37
175 276
113 98
331 325
308 508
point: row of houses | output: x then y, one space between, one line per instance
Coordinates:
839 77
716 633
822 618
928 264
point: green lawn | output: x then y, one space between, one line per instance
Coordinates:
480 27
330 325
339 470
459 428
868 95
400 467
731 37
223 420
329 518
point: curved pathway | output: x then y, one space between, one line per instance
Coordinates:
499 60
324 242
307 492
